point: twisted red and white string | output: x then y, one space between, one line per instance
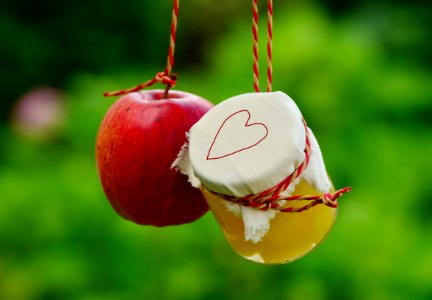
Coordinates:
255 47
269 198
269 45
166 77
255 44
173 38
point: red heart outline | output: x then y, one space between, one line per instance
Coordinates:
246 125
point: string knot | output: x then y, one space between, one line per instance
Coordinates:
330 200
166 79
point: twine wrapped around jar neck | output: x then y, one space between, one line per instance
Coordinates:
271 198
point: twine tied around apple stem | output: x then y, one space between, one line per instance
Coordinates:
166 77
269 45
270 198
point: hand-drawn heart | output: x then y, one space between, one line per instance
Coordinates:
236 135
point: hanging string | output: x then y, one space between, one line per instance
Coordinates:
269 45
166 77
173 39
255 44
255 16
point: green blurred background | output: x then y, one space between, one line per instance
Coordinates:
360 71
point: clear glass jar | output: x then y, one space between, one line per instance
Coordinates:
291 235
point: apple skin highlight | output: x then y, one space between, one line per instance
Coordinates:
139 138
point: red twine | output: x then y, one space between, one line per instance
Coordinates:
269 198
166 77
269 45
255 44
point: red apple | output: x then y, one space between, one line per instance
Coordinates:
138 140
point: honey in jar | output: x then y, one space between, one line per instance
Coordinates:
291 235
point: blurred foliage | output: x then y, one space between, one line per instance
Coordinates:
359 71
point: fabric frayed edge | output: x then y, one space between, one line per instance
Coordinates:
183 165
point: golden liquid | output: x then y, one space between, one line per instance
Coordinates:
291 235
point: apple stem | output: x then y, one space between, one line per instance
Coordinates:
167 88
